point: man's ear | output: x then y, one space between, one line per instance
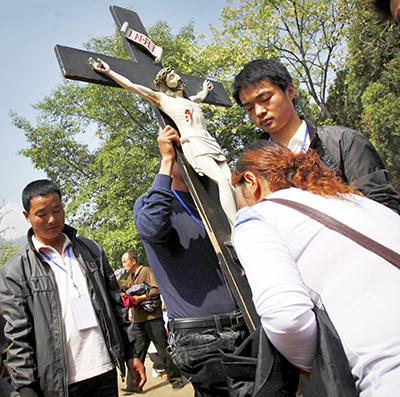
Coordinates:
290 91
253 185
26 215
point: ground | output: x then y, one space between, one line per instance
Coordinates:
156 387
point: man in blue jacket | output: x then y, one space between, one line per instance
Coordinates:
203 317
66 323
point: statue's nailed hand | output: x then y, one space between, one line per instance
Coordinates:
208 85
99 65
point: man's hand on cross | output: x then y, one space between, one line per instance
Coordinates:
167 138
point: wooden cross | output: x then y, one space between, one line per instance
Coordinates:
142 69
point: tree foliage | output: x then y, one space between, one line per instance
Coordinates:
372 84
307 36
381 104
7 251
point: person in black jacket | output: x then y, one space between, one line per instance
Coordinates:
6 389
265 90
66 323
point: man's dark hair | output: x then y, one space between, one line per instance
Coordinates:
382 9
41 187
131 255
259 70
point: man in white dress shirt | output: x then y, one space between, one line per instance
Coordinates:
265 90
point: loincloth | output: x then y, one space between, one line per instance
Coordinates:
198 145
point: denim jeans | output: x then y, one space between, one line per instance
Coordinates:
196 354
104 385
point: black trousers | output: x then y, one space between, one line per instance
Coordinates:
154 331
105 385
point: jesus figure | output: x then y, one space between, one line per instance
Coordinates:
199 147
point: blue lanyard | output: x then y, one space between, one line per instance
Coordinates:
70 274
305 140
187 208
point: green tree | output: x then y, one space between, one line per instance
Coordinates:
7 251
371 46
381 104
308 36
373 84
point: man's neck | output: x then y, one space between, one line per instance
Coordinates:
178 94
57 243
286 134
136 270
179 185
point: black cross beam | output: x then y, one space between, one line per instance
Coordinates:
142 69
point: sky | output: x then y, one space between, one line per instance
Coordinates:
29 30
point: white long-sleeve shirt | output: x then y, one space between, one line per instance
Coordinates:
284 251
86 350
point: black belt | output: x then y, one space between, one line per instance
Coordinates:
216 321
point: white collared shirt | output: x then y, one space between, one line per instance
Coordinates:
86 351
300 140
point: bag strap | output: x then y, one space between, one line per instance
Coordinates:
332 223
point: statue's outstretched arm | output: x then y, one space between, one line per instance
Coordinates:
208 86
145 92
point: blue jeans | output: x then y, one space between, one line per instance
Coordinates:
196 354
104 385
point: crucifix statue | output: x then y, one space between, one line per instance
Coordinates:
199 147
176 103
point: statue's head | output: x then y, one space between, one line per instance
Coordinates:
168 80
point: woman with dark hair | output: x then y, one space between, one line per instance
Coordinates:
289 257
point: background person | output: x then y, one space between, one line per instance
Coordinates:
148 326
66 323
286 254
264 88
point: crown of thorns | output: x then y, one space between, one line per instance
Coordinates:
161 75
